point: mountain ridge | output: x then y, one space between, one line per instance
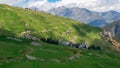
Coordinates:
86 16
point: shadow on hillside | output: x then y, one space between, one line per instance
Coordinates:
52 39
98 42
5 35
80 30
4 32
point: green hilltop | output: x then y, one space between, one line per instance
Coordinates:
42 25
18 52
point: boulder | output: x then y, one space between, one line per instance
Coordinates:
35 38
30 57
35 44
12 38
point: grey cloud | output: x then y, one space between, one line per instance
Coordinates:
10 2
95 5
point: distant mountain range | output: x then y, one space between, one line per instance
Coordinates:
97 19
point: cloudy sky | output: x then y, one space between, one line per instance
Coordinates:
95 5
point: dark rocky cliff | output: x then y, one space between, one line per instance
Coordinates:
114 29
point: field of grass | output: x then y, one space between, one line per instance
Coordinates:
12 55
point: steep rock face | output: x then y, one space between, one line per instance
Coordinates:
114 28
86 16
117 31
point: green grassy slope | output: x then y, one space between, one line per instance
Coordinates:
14 21
12 55
44 25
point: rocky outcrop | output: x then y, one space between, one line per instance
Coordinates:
117 31
106 35
31 57
13 38
109 38
114 29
